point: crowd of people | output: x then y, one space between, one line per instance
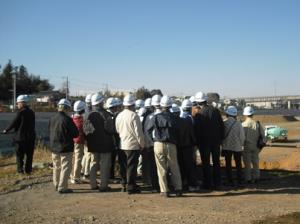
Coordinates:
155 138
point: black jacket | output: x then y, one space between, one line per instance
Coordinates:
209 126
99 131
164 127
24 125
186 135
62 131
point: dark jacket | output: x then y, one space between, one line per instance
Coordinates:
209 126
23 125
164 127
62 131
99 139
186 135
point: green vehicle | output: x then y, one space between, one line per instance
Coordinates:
276 133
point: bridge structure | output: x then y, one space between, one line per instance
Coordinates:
270 102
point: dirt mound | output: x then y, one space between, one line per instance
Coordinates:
274 118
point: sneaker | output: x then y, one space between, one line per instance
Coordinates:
178 193
165 194
75 181
105 189
65 191
85 177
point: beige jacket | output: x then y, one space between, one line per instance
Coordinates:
252 133
129 128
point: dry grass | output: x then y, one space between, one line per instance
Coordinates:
9 178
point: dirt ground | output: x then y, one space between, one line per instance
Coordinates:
275 199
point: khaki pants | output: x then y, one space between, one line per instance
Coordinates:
166 157
105 163
78 150
62 167
86 162
250 157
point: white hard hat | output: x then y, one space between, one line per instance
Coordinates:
79 106
192 99
129 100
155 101
142 111
248 111
97 98
166 101
139 103
88 98
231 110
118 101
22 98
200 97
110 102
148 102
175 108
186 104
65 102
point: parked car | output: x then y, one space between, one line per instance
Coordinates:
276 133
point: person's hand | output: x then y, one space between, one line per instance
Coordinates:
4 131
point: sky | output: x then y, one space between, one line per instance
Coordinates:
236 48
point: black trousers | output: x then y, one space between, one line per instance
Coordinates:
122 160
132 163
187 165
24 149
113 162
210 179
238 164
149 168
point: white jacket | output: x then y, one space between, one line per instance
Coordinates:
129 128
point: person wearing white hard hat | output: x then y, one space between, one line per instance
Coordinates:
129 128
209 131
139 104
98 128
113 108
79 109
233 145
88 101
62 132
195 108
175 110
24 138
253 130
165 140
186 148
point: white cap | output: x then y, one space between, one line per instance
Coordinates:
248 111
148 102
142 111
231 110
166 101
79 106
200 97
97 98
88 98
186 104
139 103
175 108
155 101
65 102
129 100
22 98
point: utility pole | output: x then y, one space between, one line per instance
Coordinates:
14 84
67 90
